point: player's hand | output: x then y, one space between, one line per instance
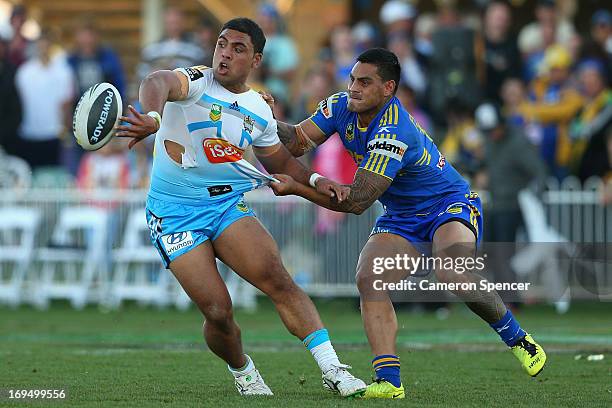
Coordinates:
332 189
286 185
268 98
139 126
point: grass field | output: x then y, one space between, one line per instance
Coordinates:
144 357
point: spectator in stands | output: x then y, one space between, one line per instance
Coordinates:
397 17
463 144
365 36
10 106
176 48
412 72
206 37
502 57
46 88
407 97
455 69
590 129
107 168
19 48
317 86
553 103
512 163
281 61
342 54
92 62
531 37
599 45
513 95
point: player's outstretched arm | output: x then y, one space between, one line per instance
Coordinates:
366 189
277 159
156 89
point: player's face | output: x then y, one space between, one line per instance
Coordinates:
367 90
234 57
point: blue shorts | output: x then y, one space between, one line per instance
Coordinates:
420 228
178 228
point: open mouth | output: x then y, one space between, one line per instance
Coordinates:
223 67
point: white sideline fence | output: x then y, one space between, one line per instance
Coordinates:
93 246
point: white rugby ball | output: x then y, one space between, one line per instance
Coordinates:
96 116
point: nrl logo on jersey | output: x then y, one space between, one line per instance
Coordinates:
215 112
248 124
349 135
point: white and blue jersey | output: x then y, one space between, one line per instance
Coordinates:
425 191
192 201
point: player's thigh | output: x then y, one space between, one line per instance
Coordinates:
197 273
249 249
378 260
453 240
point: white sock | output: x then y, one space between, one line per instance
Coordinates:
237 372
325 356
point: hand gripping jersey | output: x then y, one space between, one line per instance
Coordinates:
214 126
396 147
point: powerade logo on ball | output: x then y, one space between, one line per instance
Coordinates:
221 151
99 125
176 241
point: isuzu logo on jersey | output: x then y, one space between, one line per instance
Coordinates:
176 241
325 108
388 147
221 151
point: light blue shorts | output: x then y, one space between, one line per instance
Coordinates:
176 229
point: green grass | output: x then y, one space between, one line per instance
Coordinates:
144 357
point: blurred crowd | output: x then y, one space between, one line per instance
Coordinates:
507 105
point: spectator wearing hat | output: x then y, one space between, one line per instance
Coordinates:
599 45
531 37
512 163
281 57
175 50
397 17
593 124
552 104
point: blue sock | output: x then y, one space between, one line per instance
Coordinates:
508 329
387 367
316 338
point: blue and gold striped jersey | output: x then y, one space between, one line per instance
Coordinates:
395 146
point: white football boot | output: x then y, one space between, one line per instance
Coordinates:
251 383
339 379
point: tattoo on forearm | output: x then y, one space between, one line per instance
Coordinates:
366 189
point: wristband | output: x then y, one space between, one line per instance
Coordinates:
156 116
313 179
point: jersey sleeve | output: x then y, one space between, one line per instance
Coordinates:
326 115
198 82
269 137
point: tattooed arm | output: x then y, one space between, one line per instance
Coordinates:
366 189
300 138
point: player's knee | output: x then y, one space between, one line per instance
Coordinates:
220 316
365 280
448 276
276 281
